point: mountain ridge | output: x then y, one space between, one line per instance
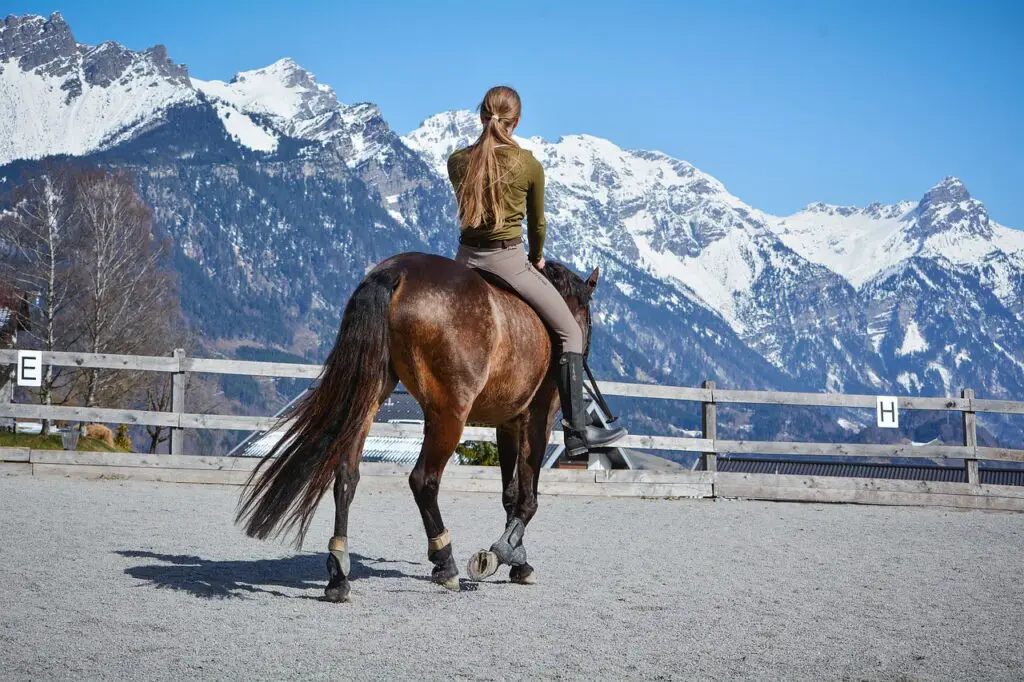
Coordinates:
279 196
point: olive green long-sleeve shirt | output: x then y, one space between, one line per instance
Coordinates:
522 196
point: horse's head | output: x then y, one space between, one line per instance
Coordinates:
577 293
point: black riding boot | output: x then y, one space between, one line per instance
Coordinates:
579 435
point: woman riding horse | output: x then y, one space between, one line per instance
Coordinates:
467 351
497 184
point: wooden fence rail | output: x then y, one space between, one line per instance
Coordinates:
709 445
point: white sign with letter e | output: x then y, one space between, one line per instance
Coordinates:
887 409
30 368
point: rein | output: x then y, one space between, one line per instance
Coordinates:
593 389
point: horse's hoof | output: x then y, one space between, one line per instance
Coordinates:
482 565
523 575
450 584
337 594
447 576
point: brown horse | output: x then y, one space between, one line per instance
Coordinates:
466 350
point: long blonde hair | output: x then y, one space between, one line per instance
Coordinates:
479 194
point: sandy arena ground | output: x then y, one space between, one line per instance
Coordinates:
133 580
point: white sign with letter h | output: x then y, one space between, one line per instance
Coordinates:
887 410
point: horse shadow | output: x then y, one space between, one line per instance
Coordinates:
216 579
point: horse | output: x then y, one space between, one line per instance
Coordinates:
468 350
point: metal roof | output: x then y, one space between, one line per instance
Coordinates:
952 474
376 448
399 408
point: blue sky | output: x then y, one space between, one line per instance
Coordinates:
785 102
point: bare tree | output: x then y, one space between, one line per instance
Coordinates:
126 297
201 393
39 239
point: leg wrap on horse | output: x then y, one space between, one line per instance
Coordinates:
439 549
338 548
509 547
440 542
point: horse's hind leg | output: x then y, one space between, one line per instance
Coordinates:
441 435
346 478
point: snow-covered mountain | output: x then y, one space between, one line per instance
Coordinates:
290 98
946 224
811 286
279 196
60 97
682 227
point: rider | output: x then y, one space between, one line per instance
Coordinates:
497 183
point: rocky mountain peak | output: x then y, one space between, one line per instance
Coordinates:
947 208
37 42
830 209
283 91
441 134
949 190
456 123
61 97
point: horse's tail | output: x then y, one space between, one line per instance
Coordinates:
329 422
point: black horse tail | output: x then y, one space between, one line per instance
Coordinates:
328 422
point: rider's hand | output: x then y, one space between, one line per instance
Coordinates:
539 264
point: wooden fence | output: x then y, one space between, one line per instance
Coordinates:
710 397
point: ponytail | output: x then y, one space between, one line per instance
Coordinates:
479 194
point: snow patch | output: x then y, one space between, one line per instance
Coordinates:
909 381
850 426
244 129
913 342
947 376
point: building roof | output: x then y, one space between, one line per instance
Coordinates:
376 448
989 474
13 307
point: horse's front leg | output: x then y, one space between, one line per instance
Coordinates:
521 449
528 479
510 437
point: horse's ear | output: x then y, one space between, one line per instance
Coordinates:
592 280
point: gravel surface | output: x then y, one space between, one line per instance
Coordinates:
133 580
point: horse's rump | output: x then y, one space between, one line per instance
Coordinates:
461 343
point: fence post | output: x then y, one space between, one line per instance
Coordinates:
178 402
709 426
971 438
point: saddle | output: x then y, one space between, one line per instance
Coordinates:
496 281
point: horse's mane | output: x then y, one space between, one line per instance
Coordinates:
567 282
